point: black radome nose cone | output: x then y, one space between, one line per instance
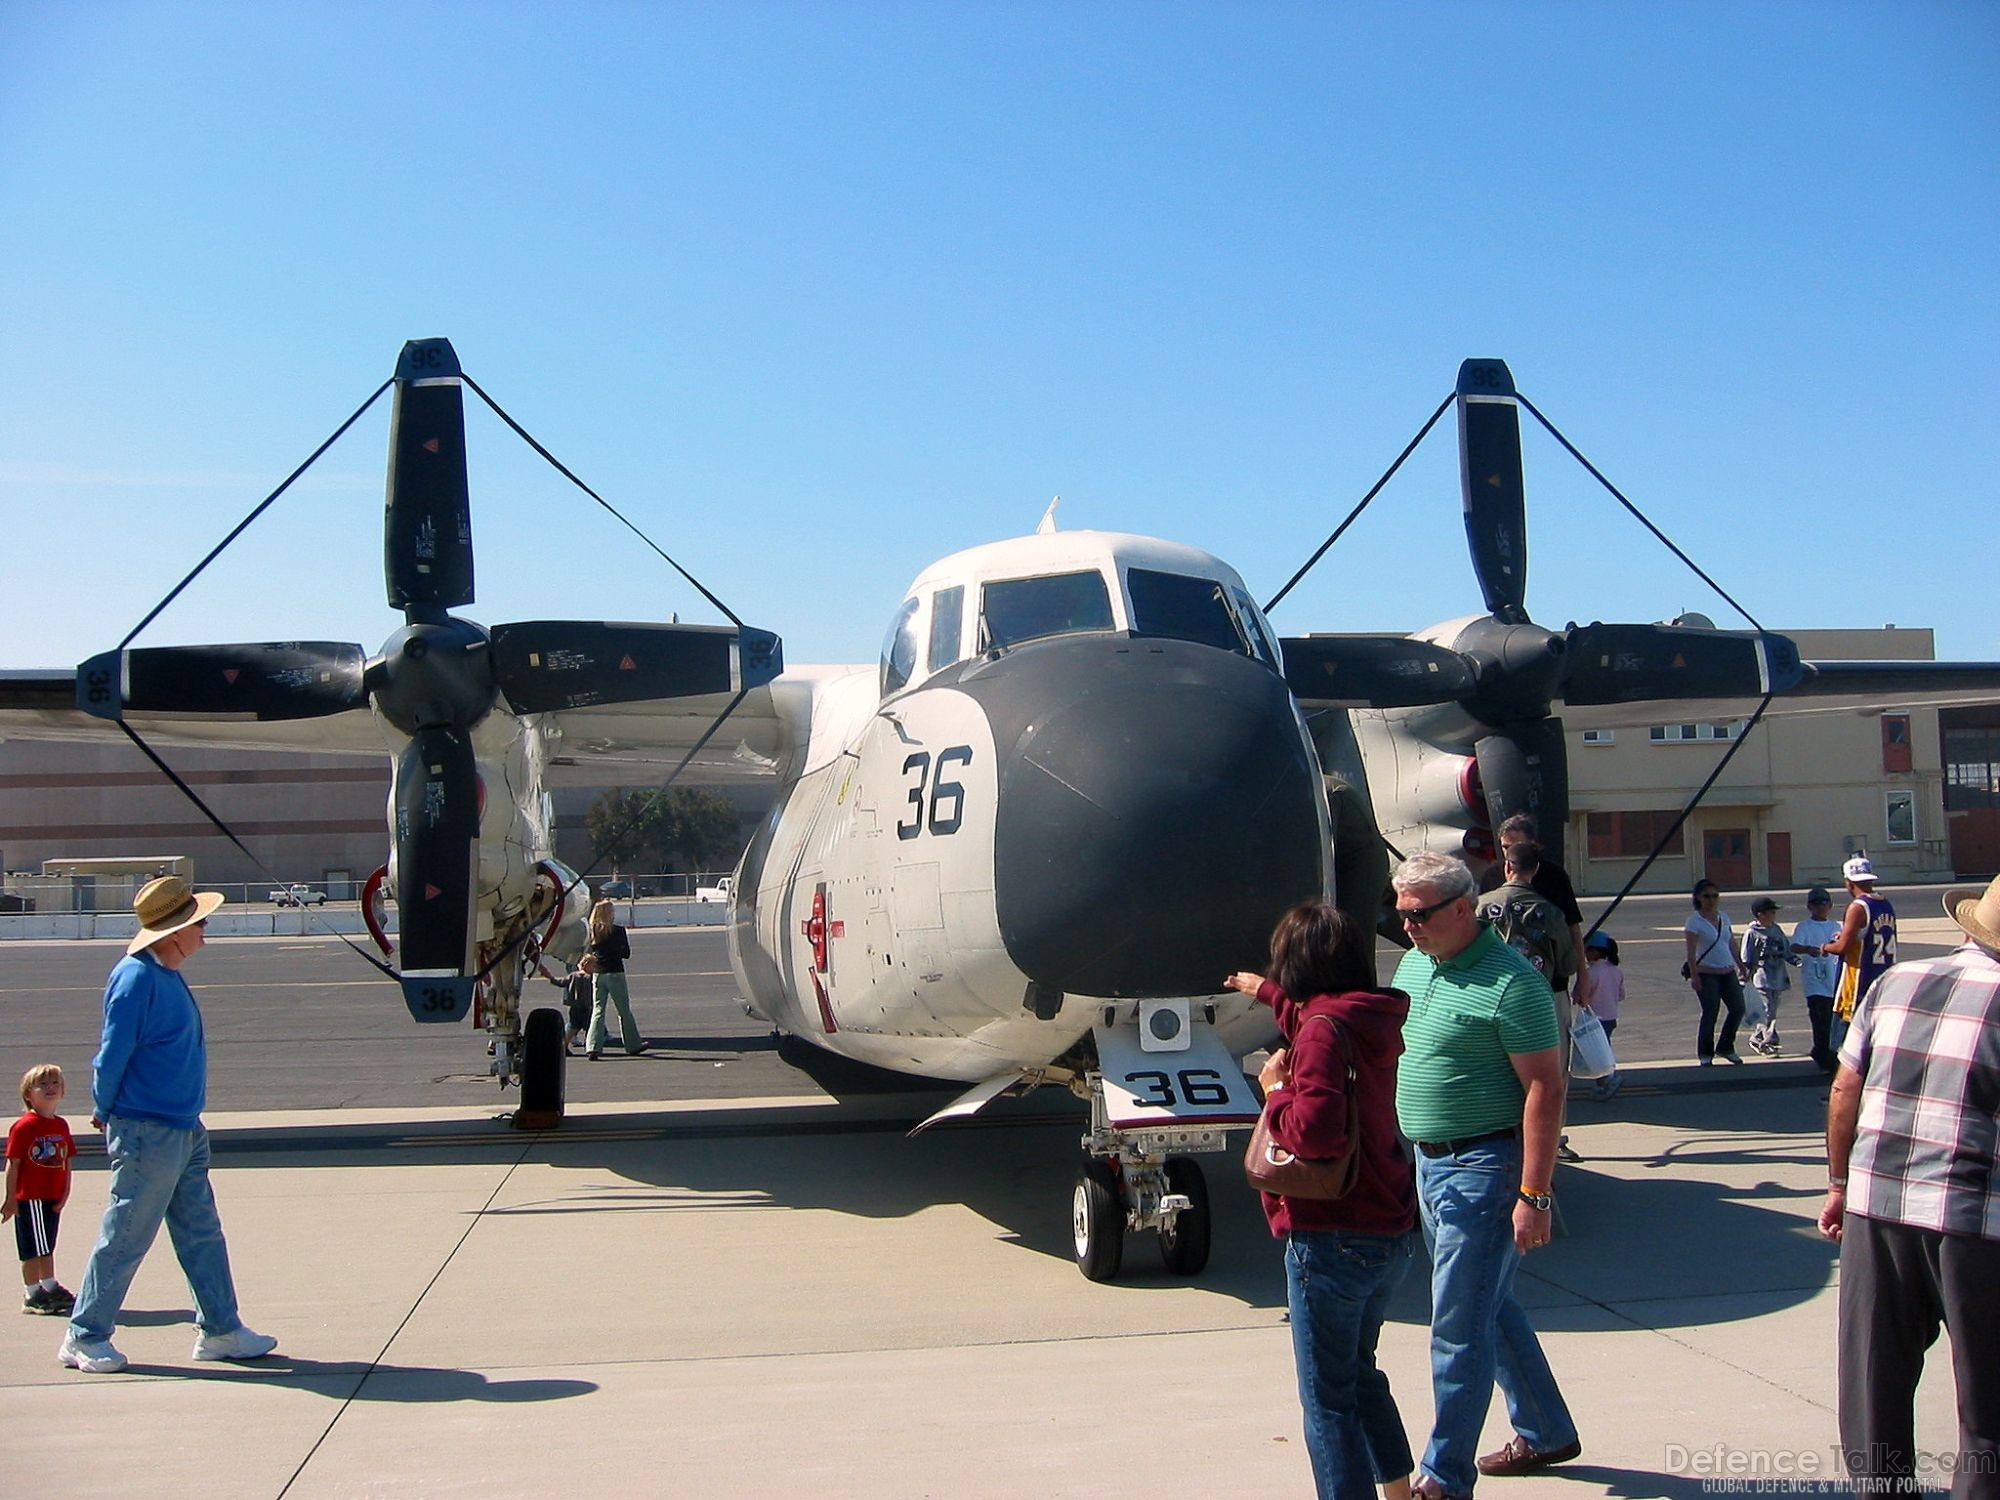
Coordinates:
1157 813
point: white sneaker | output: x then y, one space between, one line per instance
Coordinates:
92 1356
244 1343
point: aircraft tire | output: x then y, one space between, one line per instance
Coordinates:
1097 1220
541 1070
1184 1243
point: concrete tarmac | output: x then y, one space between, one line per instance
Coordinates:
721 1279
787 1296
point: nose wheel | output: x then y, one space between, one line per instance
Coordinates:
1097 1219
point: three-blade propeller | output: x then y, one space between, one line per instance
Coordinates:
435 679
1508 673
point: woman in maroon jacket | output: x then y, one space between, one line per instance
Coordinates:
1345 1256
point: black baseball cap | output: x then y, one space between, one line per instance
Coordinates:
1763 903
1818 894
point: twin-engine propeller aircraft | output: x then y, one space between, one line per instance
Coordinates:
1079 788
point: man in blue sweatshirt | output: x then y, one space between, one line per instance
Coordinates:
150 1082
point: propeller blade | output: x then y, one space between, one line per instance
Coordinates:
437 859
547 665
1524 768
427 530
1373 671
1649 663
283 680
1489 469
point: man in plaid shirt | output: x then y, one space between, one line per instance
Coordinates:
1913 1197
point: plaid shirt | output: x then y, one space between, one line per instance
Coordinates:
1926 1042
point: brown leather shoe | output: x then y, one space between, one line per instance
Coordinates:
1518 1458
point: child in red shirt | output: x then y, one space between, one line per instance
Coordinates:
39 1148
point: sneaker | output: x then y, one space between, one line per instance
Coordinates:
244 1343
1704 1062
61 1299
1564 1152
35 1300
1608 1086
1730 1057
92 1356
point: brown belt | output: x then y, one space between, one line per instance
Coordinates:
1452 1148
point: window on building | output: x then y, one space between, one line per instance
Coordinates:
1600 736
1687 734
1631 835
1971 766
1899 814
1895 742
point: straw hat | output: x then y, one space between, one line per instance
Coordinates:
167 905
1977 912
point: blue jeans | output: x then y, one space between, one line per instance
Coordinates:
1479 1334
158 1173
1340 1282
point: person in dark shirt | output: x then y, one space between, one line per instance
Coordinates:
1550 880
604 961
1344 1257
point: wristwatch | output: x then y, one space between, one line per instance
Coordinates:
1541 1203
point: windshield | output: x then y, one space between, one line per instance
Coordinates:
1187 609
1021 609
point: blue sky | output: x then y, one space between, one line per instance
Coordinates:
817 293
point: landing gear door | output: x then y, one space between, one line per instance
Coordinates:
1196 1084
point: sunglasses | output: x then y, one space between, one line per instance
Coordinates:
1422 914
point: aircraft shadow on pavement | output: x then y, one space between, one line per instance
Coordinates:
1685 1241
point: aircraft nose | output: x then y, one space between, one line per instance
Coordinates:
1157 813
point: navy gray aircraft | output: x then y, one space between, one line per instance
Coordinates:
1025 847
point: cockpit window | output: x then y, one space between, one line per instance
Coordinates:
947 613
899 648
1190 609
1246 611
1021 609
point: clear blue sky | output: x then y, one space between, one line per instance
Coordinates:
820 292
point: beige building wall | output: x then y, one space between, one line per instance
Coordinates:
1816 781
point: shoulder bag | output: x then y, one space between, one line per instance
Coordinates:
1273 1169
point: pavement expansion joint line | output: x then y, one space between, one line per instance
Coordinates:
849 1351
527 1142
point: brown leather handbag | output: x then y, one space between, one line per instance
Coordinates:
1273 1169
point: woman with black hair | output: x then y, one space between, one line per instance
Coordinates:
1345 1256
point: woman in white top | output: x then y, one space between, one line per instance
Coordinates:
1714 973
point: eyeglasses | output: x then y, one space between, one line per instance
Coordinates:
1422 914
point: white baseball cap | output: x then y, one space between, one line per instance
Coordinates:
1859 870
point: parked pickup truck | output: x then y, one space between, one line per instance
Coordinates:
711 894
298 895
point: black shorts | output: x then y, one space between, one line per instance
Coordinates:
35 1224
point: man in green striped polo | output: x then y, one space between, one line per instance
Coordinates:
1479 1089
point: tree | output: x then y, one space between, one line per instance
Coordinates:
624 825
702 826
